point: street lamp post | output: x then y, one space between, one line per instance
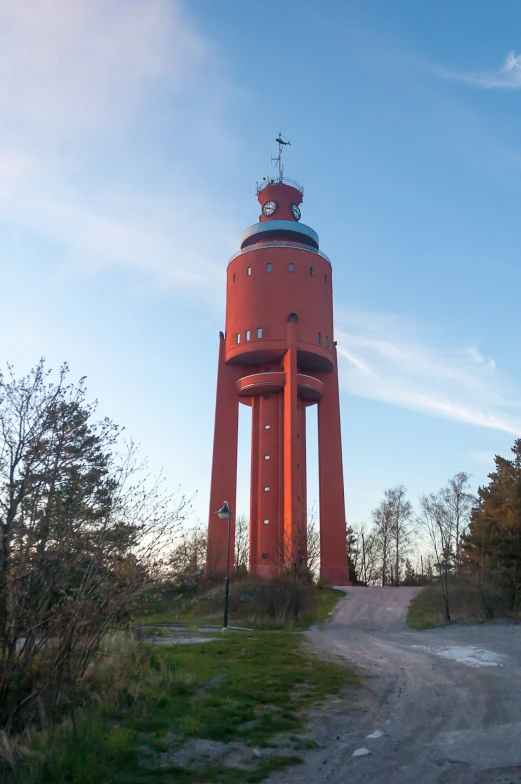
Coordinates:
225 513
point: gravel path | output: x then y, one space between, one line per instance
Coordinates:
437 707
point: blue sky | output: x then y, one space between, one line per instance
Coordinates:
132 134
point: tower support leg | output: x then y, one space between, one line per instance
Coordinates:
292 468
303 484
333 549
266 557
256 458
224 467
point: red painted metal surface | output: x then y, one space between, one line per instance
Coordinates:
278 356
284 196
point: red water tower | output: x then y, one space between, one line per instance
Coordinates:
278 356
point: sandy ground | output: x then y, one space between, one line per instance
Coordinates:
437 707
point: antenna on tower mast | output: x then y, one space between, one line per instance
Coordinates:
278 159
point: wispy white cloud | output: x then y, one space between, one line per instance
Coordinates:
116 226
383 362
79 84
83 64
475 355
506 78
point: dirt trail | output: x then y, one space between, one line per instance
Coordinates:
442 706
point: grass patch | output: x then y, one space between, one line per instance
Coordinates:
423 611
245 687
468 603
249 606
326 601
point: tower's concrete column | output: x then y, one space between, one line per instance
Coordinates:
292 466
333 550
256 458
303 482
224 465
266 486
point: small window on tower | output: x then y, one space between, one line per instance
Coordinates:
267 427
265 522
259 332
266 457
311 271
248 334
319 338
268 267
325 278
238 337
233 278
266 489
248 270
327 342
291 267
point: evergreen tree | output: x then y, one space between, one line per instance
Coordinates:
492 545
353 554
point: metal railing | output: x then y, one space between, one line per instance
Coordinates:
280 244
277 181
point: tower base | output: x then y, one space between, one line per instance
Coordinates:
335 575
268 572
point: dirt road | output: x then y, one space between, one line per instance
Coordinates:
437 707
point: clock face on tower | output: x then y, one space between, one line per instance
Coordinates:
269 208
296 211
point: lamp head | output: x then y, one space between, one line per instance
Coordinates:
224 512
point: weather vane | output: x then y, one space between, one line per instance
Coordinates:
277 161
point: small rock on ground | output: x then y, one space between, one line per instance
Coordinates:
361 753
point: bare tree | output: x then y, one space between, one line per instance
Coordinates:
292 553
401 530
361 564
392 532
188 557
459 503
313 542
443 518
353 553
242 543
372 557
299 553
438 529
382 533
383 522
364 558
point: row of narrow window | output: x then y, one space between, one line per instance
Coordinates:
267 457
247 335
291 268
320 340
266 489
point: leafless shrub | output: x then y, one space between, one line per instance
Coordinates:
286 599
